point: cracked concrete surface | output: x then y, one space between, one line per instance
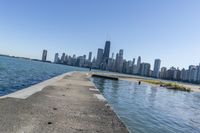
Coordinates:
66 106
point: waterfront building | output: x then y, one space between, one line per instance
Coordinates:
177 74
156 69
133 62
106 53
120 61
145 69
44 55
99 57
163 72
183 75
90 57
62 58
138 65
66 59
56 58
129 67
192 73
198 73
110 64
170 73
80 61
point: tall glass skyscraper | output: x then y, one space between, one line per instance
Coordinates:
156 68
106 53
44 55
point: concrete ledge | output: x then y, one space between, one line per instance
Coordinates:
67 103
105 76
26 92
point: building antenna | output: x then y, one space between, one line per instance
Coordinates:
108 38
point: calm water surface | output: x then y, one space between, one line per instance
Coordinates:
17 74
147 109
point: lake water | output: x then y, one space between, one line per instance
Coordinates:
16 74
147 109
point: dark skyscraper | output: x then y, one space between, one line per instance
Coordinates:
138 65
44 55
56 59
63 58
99 56
106 53
90 57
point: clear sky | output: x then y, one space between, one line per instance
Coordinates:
165 29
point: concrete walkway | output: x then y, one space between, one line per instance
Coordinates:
69 105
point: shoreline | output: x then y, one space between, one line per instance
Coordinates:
133 78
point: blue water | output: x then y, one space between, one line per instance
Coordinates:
147 109
16 74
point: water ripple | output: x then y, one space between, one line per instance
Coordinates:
147 109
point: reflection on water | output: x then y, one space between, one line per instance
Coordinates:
147 109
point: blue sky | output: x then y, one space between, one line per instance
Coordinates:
165 29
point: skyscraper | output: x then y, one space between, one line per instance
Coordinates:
120 60
138 65
90 57
56 59
63 58
44 55
99 57
156 68
145 69
106 53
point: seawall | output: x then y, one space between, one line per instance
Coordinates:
67 103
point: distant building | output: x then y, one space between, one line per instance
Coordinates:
177 75
80 61
44 55
163 72
56 59
90 57
99 57
170 73
193 72
138 65
106 53
110 64
156 68
63 58
145 69
198 74
119 61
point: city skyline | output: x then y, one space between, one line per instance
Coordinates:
121 65
150 29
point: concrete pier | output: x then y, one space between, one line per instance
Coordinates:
66 105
